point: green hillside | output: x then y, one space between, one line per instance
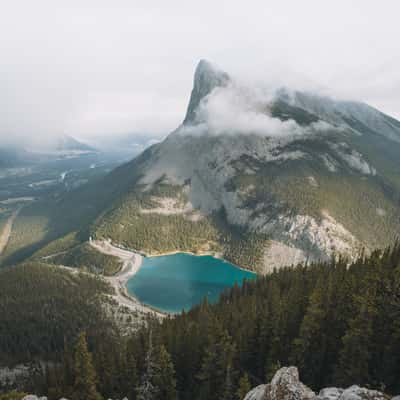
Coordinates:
42 306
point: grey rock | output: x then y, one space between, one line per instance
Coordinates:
257 393
331 393
358 393
34 397
286 385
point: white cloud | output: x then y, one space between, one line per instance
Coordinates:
238 109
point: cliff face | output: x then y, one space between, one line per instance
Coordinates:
286 385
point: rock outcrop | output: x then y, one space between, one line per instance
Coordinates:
286 385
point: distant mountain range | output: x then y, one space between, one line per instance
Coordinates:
65 146
263 179
68 143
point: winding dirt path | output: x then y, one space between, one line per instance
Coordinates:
131 263
5 235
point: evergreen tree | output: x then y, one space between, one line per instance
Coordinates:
218 356
244 387
272 371
164 378
228 393
84 373
147 390
131 375
311 345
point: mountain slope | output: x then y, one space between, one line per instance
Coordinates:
264 180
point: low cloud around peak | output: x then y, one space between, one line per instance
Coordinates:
235 108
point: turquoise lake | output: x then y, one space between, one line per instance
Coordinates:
175 282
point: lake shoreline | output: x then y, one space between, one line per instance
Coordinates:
120 280
180 280
131 263
218 256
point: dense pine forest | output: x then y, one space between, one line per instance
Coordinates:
339 324
44 307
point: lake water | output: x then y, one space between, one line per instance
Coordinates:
179 281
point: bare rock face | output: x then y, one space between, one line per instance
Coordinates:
256 394
286 385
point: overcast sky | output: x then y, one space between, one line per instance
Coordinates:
95 68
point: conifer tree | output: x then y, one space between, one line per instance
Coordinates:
311 345
244 387
218 356
147 390
228 393
164 378
84 373
131 375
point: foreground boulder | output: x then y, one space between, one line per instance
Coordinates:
352 393
286 385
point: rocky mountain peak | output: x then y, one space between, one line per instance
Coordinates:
206 78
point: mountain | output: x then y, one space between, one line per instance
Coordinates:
266 179
21 155
68 143
262 178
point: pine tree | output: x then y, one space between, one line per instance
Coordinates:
84 372
147 390
165 376
311 346
244 387
131 375
218 356
273 368
358 342
228 393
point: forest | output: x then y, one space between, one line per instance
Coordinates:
338 323
42 307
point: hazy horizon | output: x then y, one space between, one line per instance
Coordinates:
95 69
